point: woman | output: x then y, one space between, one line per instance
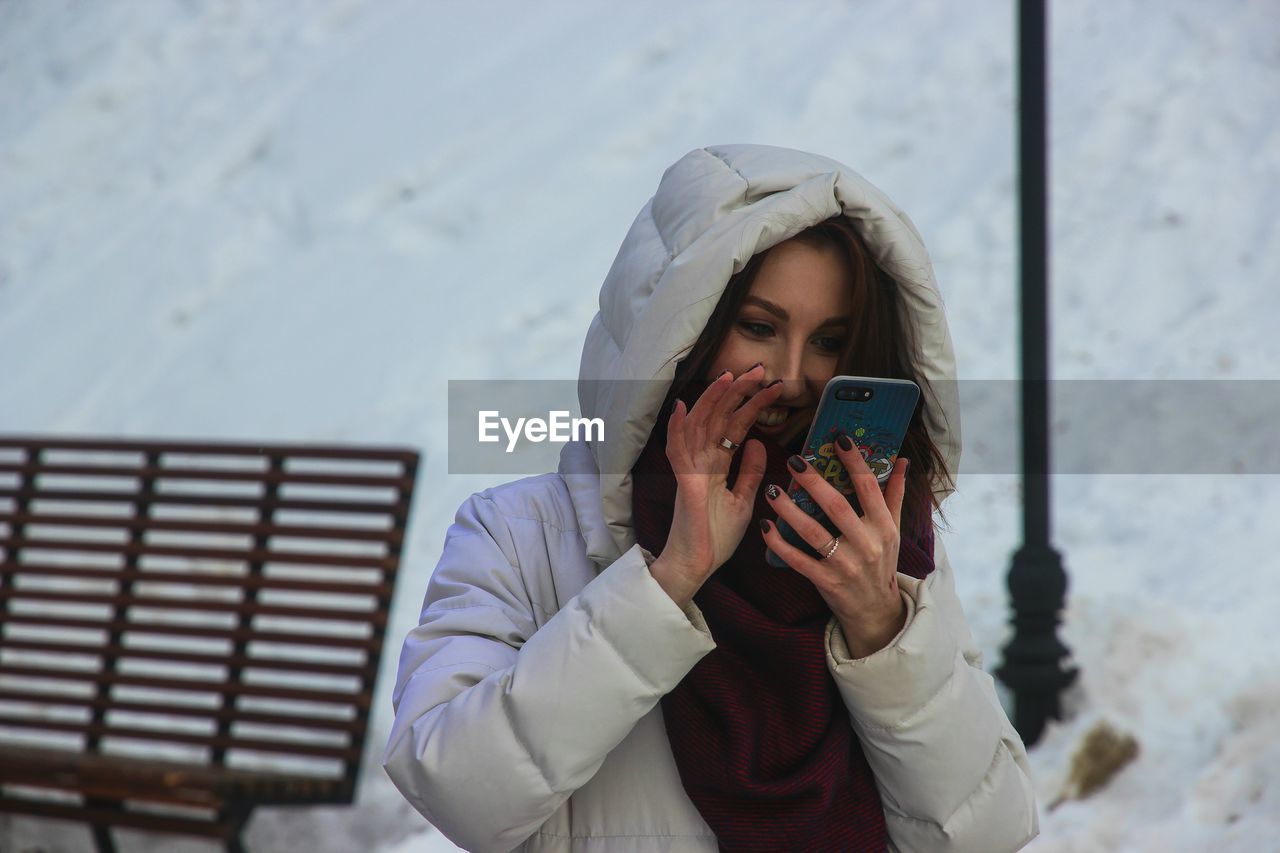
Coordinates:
604 660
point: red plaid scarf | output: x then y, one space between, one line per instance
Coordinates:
761 736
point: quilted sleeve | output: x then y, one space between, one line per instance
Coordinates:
498 721
952 771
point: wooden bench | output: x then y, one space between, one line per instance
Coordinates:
190 630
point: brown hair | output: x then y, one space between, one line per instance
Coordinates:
880 343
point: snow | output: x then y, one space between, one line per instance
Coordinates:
297 222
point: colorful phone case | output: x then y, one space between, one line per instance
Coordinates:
877 427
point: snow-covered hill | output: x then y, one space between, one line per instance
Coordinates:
298 221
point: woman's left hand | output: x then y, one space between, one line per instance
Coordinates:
860 580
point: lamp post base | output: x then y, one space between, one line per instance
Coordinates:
1034 668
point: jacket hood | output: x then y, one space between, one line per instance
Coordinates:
714 209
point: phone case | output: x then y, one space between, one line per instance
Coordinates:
877 427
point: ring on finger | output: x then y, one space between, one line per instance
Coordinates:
830 547
729 445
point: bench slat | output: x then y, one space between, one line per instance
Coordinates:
243 661
211 474
294 531
397 510
99 816
149 779
372 644
189 685
213 448
373 616
257 744
200 578
302 558
356 724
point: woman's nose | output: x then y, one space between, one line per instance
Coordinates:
793 390
791 370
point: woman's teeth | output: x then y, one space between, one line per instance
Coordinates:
773 416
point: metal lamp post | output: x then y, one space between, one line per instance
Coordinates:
1033 660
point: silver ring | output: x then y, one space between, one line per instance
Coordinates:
831 547
729 445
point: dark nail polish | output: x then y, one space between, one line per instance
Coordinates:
773 492
845 442
753 367
797 464
723 372
774 382
764 526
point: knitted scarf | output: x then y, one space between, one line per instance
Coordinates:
760 734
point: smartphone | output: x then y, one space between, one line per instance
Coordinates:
875 413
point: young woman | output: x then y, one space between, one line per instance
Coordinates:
606 662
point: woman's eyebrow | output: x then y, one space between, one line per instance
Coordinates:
781 313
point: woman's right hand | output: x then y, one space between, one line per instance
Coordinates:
710 518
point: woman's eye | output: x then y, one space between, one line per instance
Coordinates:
831 344
760 330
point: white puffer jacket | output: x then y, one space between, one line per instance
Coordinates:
527 701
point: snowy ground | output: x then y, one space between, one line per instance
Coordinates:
299 221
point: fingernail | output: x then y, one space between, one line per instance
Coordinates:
753 367
906 463
797 464
722 373
773 492
774 382
845 442
764 526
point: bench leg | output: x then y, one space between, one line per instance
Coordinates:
236 817
102 839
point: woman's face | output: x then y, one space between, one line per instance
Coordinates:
794 320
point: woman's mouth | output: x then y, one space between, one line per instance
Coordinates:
773 416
